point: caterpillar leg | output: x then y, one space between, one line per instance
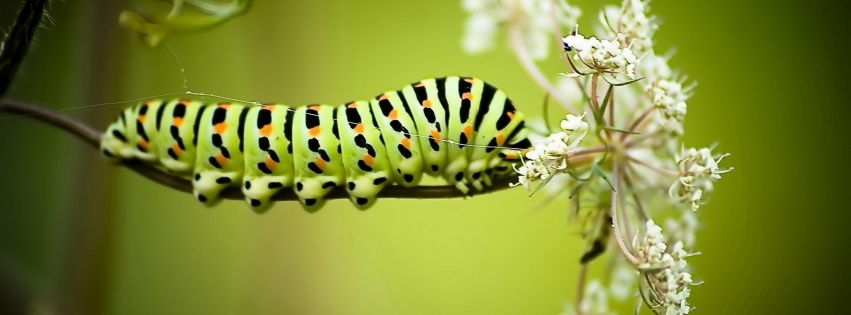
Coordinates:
208 184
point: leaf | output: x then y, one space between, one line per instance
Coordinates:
598 117
599 170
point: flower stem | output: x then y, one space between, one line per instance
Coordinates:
615 223
580 288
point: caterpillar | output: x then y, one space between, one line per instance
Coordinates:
459 128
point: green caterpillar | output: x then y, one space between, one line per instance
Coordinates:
462 129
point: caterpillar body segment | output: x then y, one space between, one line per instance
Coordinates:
458 128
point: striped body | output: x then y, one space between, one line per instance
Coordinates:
461 129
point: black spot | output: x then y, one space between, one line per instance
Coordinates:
404 151
397 126
247 185
262 167
240 128
340 148
274 156
140 129
503 156
370 150
429 114
214 162
360 141
351 185
381 138
491 146
477 175
407 108
334 128
311 118
288 125
225 152
217 140
362 201
160 112
141 148
364 167
118 135
441 96
299 186
219 115
197 124
179 110
523 144
315 168
107 153
385 107
263 142
143 110
488 92
503 121
310 202
201 198
399 170
264 117
255 203
464 111
459 176
223 180
434 167
175 132
462 140
313 144
379 181
501 168
435 145
275 185
290 148
197 176
437 126
353 117
327 185
324 155
408 177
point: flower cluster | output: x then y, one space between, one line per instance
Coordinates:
603 56
552 154
698 169
667 286
622 156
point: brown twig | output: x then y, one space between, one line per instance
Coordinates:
92 137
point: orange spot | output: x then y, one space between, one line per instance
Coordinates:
314 132
510 115
406 143
177 150
468 80
419 84
142 118
512 156
143 144
352 105
270 164
427 103
382 97
359 128
435 134
393 114
368 159
468 130
315 107
177 121
266 130
221 159
224 105
146 102
320 162
467 96
500 138
220 128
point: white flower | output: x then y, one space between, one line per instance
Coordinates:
683 229
698 169
623 281
604 56
551 155
669 98
668 282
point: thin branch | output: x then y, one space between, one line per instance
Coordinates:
17 42
615 224
92 137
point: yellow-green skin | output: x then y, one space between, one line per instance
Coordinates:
461 129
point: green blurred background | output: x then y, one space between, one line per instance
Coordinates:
87 236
